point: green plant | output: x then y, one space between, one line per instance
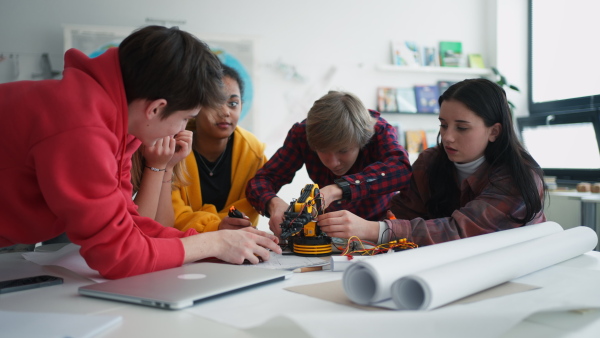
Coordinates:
501 81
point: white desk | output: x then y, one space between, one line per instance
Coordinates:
140 321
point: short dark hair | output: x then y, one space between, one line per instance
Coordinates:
167 63
232 73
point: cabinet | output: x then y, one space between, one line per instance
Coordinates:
572 208
563 208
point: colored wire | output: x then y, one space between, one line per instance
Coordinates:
395 245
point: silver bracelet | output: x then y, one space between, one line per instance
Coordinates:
155 169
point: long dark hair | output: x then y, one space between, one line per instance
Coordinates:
488 101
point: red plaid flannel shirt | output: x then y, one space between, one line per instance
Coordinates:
381 169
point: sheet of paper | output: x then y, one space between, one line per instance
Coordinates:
576 289
290 262
330 291
334 292
54 325
67 257
248 308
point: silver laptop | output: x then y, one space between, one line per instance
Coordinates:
183 286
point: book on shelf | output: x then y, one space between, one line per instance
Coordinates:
416 141
430 57
443 85
399 132
405 99
476 61
431 137
406 53
427 97
386 99
450 53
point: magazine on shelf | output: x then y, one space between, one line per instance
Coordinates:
416 141
450 53
443 85
476 61
431 137
399 132
406 53
427 98
386 99
405 98
430 57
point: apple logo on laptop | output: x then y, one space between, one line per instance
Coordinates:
192 276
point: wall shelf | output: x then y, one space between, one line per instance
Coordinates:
434 70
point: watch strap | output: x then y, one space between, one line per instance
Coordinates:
345 186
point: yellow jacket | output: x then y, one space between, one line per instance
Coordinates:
190 213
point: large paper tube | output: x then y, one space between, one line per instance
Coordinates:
432 288
370 281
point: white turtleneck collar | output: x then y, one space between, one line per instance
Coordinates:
467 169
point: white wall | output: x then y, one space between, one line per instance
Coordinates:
333 44
511 49
344 39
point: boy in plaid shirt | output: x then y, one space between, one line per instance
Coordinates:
352 154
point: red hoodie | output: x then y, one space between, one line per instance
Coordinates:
65 160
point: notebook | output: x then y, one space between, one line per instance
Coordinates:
183 286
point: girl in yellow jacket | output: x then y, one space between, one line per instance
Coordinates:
224 158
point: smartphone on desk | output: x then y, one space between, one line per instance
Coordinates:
26 283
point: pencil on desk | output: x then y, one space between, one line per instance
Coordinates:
308 269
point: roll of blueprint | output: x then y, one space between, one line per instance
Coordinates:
368 282
432 288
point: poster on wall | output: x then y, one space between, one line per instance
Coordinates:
94 40
236 52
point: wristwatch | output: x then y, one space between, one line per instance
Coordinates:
345 186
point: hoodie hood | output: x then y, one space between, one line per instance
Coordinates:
102 70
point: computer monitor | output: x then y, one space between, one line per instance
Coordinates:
564 145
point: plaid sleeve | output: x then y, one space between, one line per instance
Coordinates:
486 213
278 171
390 169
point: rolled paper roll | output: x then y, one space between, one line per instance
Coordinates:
369 281
432 288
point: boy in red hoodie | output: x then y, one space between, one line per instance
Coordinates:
67 146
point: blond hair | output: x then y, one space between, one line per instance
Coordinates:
336 120
180 177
